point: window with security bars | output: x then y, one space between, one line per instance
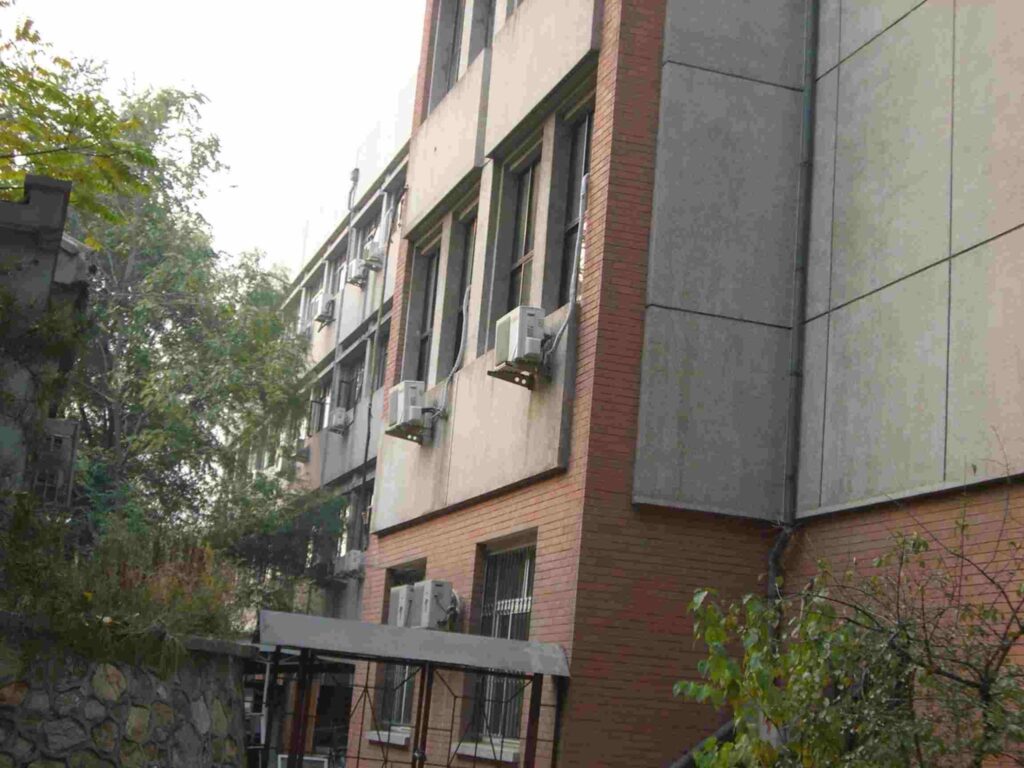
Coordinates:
395 695
505 613
522 241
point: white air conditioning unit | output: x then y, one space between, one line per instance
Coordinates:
519 336
407 412
356 272
373 255
341 421
326 313
400 606
431 604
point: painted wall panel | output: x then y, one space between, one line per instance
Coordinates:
712 414
885 401
725 196
893 155
986 376
988 153
761 40
812 414
828 35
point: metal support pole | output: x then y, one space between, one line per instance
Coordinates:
420 748
298 746
269 703
418 722
533 721
561 692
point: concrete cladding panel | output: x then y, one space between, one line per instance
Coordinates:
496 435
988 150
885 399
712 422
535 49
812 416
893 154
725 196
986 361
762 40
819 259
864 19
828 35
447 145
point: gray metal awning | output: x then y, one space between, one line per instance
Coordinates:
380 642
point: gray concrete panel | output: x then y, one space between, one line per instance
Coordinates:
828 35
819 259
986 364
885 403
446 147
712 414
988 150
812 415
347 452
893 155
761 40
541 43
725 196
864 19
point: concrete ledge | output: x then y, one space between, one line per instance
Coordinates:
506 751
399 737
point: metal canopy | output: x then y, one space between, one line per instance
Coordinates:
380 642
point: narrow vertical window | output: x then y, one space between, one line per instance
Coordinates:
455 52
465 274
427 316
579 166
381 362
522 241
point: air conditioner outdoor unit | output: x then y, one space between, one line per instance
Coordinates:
519 336
407 417
326 313
373 255
431 604
356 272
400 606
306 333
301 451
341 421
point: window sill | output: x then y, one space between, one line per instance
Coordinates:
506 752
398 737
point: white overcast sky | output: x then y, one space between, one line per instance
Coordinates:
294 88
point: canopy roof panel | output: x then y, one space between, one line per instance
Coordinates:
380 642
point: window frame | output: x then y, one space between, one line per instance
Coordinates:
430 262
524 236
574 183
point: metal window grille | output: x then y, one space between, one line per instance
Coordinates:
507 604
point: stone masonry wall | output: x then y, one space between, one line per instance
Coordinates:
59 710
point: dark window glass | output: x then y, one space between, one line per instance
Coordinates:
465 274
578 168
507 604
381 362
522 240
427 317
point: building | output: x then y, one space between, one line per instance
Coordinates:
44 283
796 300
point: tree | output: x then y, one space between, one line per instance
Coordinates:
912 660
55 121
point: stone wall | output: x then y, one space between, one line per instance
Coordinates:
59 710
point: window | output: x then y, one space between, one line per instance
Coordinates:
429 300
465 275
318 411
447 48
350 382
395 696
507 603
522 241
579 166
314 294
381 362
337 272
512 5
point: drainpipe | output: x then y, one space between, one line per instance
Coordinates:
787 516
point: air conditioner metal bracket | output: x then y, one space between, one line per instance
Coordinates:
523 374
